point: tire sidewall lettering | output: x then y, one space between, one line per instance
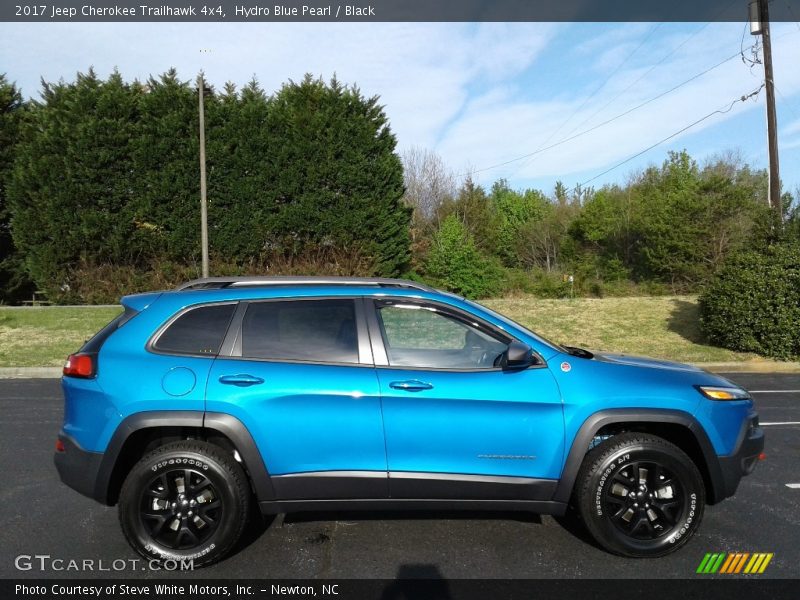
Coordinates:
686 526
609 470
181 461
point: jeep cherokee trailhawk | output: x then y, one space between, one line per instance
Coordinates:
332 393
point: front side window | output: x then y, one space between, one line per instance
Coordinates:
301 330
424 337
197 331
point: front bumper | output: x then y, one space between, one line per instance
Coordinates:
78 468
742 462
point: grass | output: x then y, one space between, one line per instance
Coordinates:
662 327
44 336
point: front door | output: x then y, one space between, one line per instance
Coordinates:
301 379
457 425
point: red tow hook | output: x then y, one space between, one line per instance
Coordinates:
762 456
60 446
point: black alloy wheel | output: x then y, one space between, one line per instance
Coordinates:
645 500
639 495
181 508
185 501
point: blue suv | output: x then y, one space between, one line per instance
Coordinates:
330 393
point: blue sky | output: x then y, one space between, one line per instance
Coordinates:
477 94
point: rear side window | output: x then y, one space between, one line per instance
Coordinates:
301 330
198 331
96 342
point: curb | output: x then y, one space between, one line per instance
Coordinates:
30 372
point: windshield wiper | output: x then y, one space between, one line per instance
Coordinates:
579 352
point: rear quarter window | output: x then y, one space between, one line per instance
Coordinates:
199 330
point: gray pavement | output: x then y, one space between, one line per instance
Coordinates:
41 516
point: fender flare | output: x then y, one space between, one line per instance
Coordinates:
590 427
227 425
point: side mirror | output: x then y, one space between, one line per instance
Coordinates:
518 356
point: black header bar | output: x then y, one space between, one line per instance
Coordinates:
389 10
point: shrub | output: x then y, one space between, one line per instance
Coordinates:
753 303
456 264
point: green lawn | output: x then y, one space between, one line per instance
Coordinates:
664 327
661 327
44 336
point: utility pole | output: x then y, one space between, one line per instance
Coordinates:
759 25
201 88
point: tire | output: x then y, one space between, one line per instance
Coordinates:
184 501
667 502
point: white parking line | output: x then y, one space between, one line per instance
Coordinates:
794 486
782 423
774 391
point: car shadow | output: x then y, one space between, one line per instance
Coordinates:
417 582
400 515
257 525
573 525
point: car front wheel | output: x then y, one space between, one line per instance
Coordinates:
640 495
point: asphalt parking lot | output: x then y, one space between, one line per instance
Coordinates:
41 516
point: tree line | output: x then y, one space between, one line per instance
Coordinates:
99 189
101 183
668 229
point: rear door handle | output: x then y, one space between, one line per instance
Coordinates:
241 380
411 385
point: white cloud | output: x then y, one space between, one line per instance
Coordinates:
472 92
423 72
517 127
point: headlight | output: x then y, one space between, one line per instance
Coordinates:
723 393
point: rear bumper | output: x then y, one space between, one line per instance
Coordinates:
78 468
742 462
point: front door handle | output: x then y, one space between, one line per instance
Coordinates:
411 385
241 380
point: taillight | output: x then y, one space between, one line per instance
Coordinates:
80 365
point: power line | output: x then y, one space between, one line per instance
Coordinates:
650 70
600 87
606 122
669 137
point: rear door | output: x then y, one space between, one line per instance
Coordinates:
299 375
456 424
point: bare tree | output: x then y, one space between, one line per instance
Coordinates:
428 180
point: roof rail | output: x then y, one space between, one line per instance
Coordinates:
214 283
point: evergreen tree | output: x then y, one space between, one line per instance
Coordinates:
165 151
239 178
13 279
335 179
73 177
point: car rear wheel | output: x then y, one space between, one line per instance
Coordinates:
184 501
640 495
